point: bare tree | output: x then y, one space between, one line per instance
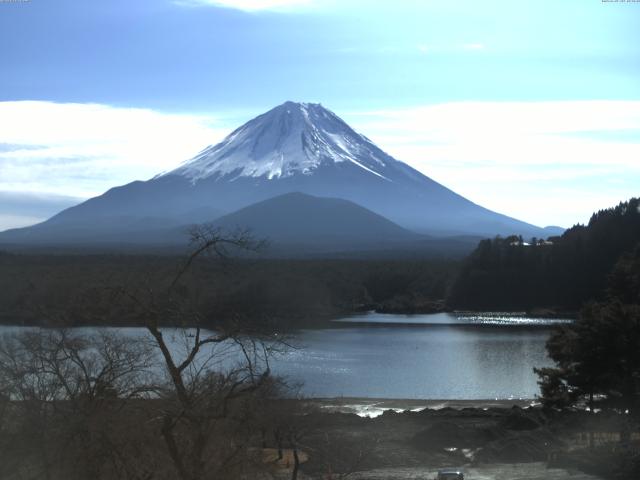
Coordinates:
208 370
66 394
107 406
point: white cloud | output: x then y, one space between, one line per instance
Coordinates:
18 209
83 149
473 46
17 221
544 162
250 5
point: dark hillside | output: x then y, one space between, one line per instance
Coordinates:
75 289
561 273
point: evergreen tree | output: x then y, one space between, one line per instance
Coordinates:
565 274
597 358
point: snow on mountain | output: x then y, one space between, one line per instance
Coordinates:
295 147
293 138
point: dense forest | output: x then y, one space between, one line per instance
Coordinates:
559 274
597 368
555 275
78 289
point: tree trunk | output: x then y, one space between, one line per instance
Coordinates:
278 439
174 451
628 400
591 426
296 464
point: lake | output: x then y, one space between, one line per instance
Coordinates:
434 356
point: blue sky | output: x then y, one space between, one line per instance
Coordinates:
531 108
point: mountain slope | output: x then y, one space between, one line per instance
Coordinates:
295 147
304 219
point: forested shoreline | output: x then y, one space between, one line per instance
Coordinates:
551 277
51 290
559 274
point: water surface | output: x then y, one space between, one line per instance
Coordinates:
435 356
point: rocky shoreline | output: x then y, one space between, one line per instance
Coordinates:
406 439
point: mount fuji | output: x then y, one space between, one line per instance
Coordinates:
295 147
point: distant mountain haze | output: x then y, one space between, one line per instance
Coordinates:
294 148
27 208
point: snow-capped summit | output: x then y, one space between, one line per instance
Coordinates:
292 138
295 147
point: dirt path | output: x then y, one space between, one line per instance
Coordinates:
519 471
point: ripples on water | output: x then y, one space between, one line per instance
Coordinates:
435 356
456 318
464 355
